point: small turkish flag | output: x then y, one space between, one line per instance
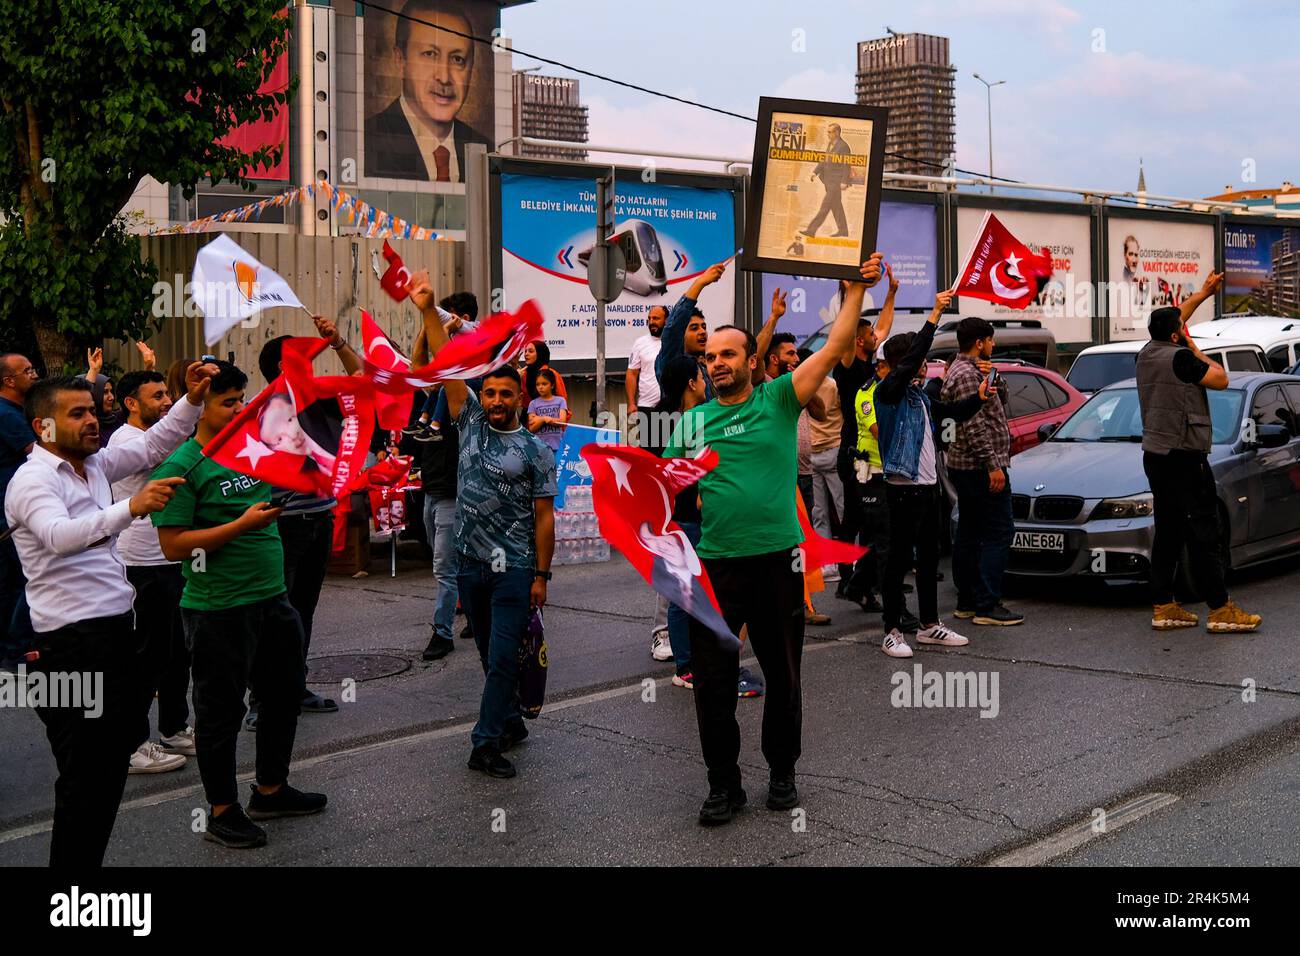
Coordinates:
1000 268
301 433
396 280
633 491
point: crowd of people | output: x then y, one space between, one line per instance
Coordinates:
127 553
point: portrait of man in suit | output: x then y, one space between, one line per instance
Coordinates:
835 179
419 135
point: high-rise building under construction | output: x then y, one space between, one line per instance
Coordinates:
911 75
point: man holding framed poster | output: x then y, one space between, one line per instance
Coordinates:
814 161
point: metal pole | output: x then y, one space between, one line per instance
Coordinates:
605 193
392 561
989 91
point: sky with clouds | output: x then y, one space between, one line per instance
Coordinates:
1194 88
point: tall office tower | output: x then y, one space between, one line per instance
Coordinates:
910 74
547 107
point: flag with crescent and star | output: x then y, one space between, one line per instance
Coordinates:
1001 268
301 432
633 492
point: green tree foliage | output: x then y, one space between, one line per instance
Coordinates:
96 95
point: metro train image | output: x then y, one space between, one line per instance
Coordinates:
645 261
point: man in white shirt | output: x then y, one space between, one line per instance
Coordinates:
643 393
163 663
60 507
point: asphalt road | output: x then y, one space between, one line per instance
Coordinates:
1095 714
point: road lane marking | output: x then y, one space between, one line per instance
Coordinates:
1072 837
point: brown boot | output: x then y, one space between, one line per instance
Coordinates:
1230 619
1165 617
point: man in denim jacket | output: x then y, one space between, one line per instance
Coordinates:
909 423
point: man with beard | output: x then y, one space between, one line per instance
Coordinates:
162 662
418 135
17 375
750 547
505 535
641 382
64 520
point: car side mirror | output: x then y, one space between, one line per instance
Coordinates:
1047 430
1272 436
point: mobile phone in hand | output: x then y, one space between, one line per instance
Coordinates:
991 380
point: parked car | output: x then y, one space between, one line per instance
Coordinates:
1023 340
1082 504
1278 336
1100 365
1035 397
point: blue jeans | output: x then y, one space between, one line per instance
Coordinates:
496 603
440 526
679 631
983 541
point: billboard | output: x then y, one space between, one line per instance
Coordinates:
1261 267
1154 263
427 90
908 239
668 235
1067 304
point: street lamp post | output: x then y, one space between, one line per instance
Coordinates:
988 88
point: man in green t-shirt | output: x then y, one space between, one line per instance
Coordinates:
750 546
239 624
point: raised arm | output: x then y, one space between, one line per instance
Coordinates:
809 375
436 335
163 437
895 383
1193 301
329 331
768 330
885 324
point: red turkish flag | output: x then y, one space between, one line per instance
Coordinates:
1001 268
818 551
379 352
396 280
633 491
301 432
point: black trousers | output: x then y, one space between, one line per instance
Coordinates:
832 204
874 509
91 752
860 579
1186 514
913 525
162 662
765 593
307 540
254 645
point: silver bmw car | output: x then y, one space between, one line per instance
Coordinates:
1082 504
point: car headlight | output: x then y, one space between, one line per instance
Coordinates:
1136 506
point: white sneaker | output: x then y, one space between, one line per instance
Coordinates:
830 573
661 649
941 634
895 646
150 758
182 743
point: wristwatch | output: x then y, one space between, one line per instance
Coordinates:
544 575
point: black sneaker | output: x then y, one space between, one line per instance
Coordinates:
428 435
999 615
488 760
233 829
414 429
908 622
963 613
316 704
781 792
285 802
721 805
871 604
439 647
907 588
467 632
516 732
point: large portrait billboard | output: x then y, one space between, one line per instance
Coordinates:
428 89
1154 263
668 235
1067 302
1262 269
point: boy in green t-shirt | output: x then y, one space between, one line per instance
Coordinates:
239 624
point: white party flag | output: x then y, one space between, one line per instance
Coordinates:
229 285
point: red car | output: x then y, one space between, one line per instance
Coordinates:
1035 397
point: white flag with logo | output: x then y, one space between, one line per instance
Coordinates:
229 285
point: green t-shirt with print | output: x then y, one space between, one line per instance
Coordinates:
246 570
748 500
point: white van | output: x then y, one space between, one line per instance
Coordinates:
1102 365
1277 335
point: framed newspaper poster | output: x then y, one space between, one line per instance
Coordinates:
814 204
